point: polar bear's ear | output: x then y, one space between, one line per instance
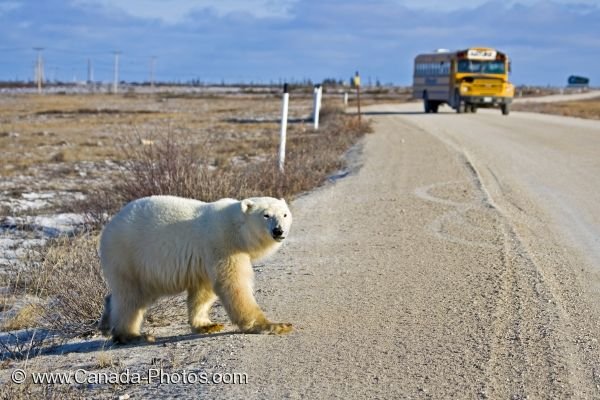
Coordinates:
247 205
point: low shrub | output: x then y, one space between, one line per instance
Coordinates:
169 164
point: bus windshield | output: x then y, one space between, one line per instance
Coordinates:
481 67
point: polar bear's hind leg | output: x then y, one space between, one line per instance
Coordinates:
104 324
127 314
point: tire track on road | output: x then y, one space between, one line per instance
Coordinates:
528 356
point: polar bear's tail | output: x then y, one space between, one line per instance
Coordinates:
104 323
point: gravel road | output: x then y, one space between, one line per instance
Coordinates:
459 259
462 260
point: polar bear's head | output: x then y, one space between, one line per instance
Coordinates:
267 218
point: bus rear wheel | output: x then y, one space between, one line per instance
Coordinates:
459 105
427 105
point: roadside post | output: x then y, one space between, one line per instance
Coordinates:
284 120
345 98
318 90
356 84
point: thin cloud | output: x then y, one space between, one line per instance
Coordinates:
179 11
9 6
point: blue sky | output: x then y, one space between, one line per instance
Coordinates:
269 40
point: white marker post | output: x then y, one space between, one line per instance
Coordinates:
284 119
345 98
317 105
356 83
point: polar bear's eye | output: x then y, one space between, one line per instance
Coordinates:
266 216
284 215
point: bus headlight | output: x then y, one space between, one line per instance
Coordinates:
464 89
509 89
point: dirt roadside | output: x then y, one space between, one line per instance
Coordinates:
559 97
403 280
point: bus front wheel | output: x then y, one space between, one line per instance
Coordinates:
505 109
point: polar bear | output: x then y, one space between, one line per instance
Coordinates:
163 245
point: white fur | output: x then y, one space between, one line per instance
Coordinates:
163 245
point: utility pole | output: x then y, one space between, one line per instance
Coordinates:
116 75
90 72
152 65
39 70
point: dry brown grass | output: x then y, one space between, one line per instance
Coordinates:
70 283
25 317
378 95
71 128
589 109
105 359
66 287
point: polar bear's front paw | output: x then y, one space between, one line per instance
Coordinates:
280 328
271 328
211 328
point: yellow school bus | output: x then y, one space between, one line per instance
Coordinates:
465 80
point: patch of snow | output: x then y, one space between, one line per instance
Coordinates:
49 225
21 235
37 200
58 224
35 196
6 243
24 205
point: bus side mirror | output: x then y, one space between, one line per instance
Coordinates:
509 67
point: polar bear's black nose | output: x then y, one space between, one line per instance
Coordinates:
277 232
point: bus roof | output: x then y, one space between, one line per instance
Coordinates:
471 53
